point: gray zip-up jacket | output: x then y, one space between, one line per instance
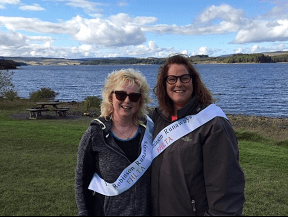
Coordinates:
99 153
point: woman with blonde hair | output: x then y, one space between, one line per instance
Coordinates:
110 145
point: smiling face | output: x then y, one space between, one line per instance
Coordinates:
180 93
125 109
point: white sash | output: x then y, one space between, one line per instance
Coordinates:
183 126
130 174
163 140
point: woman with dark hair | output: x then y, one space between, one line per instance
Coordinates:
195 170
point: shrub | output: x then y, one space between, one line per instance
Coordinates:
6 84
43 94
283 143
11 95
92 101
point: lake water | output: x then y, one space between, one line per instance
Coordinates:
251 89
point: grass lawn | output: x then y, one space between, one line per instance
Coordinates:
38 159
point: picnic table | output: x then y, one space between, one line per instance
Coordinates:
36 111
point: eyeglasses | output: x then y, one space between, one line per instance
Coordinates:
171 79
121 96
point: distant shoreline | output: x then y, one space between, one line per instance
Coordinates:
78 64
266 57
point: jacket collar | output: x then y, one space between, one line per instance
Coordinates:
106 126
107 138
191 108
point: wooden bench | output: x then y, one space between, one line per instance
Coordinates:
35 112
61 111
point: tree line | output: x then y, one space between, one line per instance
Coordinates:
124 61
8 64
236 58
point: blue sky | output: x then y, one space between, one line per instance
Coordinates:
146 28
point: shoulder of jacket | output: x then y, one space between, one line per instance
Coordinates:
155 113
100 124
201 107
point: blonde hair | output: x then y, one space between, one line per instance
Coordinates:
117 78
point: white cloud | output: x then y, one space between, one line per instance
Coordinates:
85 49
32 25
223 12
226 19
149 50
255 48
122 4
261 49
263 31
16 44
12 39
39 38
34 7
118 30
126 36
84 4
13 2
230 21
239 50
268 48
280 46
89 7
280 11
204 50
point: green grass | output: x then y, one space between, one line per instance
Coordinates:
264 162
37 164
38 159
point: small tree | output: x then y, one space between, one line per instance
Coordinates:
11 95
92 101
6 85
43 94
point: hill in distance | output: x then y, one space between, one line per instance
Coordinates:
63 61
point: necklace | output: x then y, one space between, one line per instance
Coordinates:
124 135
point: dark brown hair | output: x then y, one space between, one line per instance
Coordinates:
199 88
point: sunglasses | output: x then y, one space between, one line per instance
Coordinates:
121 96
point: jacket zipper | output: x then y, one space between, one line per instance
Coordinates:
139 151
193 205
117 152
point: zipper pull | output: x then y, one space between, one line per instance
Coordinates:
193 205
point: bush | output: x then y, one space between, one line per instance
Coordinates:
6 84
43 94
11 95
92 101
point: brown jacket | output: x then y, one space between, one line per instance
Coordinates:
199 174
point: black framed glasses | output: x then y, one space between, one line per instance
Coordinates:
172 79
121 96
